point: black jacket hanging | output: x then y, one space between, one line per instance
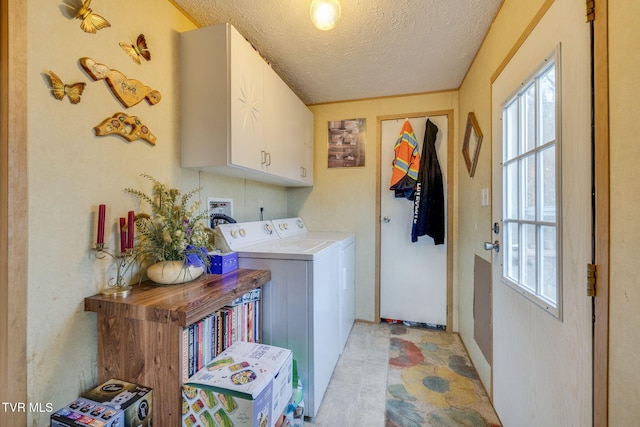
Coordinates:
428 205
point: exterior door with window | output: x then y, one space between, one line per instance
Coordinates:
542 214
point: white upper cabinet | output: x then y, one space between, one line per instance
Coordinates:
238 117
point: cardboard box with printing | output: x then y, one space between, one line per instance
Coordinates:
86 412
135 400
248 384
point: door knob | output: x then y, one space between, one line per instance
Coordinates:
488 246
387 219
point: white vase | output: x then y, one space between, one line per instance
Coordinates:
173 272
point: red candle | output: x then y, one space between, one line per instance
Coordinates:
131 221
123 236
101 213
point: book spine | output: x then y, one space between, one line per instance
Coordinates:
220 333
257 323
229 328
212 337
250 307
191 349
185 354
200 344
234 325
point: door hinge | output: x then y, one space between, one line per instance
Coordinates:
591 280
591 10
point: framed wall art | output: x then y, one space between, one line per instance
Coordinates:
346 143
471 144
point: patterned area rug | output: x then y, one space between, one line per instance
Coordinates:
431 382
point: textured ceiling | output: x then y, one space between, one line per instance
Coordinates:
379 47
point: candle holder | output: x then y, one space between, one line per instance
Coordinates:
117 287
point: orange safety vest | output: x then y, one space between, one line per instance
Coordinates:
407 161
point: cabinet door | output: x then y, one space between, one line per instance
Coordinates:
247 103
278 134
305 169
297 144
288 131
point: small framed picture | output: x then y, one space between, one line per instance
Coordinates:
471 144
346 143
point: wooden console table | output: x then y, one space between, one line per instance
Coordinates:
140 335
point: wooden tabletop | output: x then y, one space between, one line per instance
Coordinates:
181 304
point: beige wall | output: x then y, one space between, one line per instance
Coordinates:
345 199
71 171
624 104
474 224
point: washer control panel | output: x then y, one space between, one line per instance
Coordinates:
288 227
242 235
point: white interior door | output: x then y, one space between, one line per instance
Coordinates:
413 276
542 354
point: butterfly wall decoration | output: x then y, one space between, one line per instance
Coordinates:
59 89
91 22
137 50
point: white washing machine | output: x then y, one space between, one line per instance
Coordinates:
295 228
298 304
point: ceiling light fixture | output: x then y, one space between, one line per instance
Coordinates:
325 13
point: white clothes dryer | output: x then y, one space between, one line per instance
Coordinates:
295 228
299 309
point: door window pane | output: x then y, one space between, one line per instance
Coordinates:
512 261
548 184
528 254
511 130
548 106
529 187
529 119
511 191
548 262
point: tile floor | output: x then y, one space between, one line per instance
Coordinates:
356 395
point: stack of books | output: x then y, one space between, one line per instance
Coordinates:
207 338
